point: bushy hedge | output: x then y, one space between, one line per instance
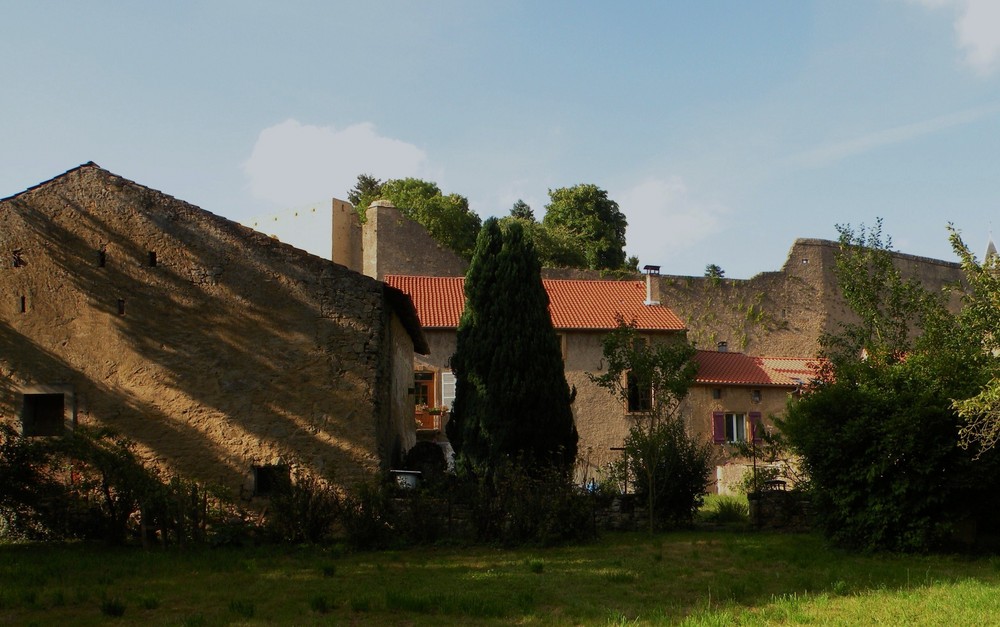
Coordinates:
93 486
664 458
880 446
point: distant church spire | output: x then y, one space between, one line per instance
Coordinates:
991 249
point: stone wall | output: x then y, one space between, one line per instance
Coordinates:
783 313
212 346
394 244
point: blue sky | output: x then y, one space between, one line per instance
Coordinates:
724 129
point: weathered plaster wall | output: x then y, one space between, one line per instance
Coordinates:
233 350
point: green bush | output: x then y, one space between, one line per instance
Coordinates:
729 509
369 517
514 506
664 458
305 510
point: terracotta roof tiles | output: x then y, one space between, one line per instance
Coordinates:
724 368
573 304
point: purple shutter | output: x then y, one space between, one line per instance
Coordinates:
718 427
754 424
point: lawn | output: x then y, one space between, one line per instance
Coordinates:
694 578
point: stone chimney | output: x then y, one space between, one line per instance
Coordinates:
652 285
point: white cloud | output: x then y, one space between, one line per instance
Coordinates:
293 164
665 221
977 28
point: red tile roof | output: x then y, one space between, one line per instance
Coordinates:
573 304
739 369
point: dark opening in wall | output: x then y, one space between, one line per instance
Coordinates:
121 306
102 258
18 259
43 415
271 479
152 259
24 304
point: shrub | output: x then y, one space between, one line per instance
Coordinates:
368 516
664 458
730 509
516 506
304 511
428 459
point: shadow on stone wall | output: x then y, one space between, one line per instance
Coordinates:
234 348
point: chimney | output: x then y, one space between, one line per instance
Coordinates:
652 285
723 347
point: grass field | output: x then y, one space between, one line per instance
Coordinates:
694 578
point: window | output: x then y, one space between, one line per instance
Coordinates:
755 396
423 388
640 395
733 427
43 415
736 428
716 393
271 479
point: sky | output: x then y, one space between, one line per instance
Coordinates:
724 129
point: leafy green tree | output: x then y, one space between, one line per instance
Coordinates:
980 318
877 435
714 271
522 210
511 398
595 221
556 246
448 219
652 379
367 190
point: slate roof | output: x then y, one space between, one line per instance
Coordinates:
725 368
573 304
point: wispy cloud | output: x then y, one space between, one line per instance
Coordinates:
293 164
837 151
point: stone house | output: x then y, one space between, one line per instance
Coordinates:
732 393
583 312
226 356
734 396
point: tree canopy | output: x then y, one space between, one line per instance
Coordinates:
522 210
878 435
595 222
512 401
447 218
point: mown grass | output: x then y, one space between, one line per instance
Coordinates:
690 578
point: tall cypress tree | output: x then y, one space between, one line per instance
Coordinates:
511 397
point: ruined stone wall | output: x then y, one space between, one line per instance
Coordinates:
394 244
229 350
783 313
